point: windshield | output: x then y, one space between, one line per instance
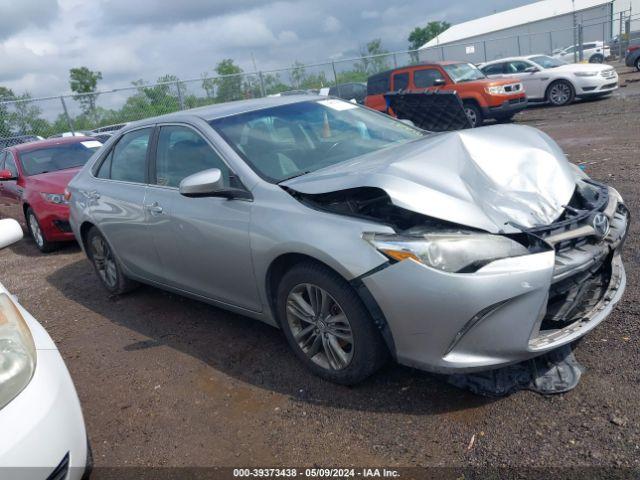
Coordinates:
463 72
59 157
547 62
291 140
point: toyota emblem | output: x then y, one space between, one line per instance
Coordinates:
600 224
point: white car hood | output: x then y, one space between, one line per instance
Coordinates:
490 178
581 67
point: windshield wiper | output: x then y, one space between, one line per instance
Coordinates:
299 174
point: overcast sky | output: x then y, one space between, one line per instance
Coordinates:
40 40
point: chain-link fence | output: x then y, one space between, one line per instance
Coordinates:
49 116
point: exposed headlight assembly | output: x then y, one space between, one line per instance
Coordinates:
17 351
57 198
455 252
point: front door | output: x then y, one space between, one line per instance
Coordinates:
11 192
533 81
203 243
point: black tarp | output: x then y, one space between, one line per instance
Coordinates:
432 111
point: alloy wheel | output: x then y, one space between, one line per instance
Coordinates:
104 262
471 114
320 326
36 233
560 93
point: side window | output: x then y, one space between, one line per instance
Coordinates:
128 158
495 69
517 67
570 50
183 152
400 81
105 168
426 78
10 164
378 84
588 46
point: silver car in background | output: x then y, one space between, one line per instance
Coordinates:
360 236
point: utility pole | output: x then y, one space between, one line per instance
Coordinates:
575 32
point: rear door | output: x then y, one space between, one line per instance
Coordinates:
203 243
118 198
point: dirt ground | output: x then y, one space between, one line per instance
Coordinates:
167 381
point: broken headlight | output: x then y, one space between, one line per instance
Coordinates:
17 351
455 252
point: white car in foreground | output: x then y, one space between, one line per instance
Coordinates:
548 79
42 432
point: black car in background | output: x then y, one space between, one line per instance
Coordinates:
632 58
349 91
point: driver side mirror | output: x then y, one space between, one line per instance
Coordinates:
532 69
10 232
210 183
6 175
439 82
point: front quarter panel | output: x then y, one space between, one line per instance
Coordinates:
282 225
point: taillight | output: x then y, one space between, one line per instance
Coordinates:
67 194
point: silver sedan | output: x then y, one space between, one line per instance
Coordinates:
359 236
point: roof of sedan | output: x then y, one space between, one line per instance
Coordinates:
50 142
219 110
511 59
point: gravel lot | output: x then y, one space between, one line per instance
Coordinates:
166 381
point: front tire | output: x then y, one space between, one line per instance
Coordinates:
106 264
37 234
638 64
560 93
327 326
474 114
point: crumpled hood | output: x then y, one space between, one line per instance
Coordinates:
488 178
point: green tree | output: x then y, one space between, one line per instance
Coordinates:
6 94
421 35
229 81
84 82
25 119
373 59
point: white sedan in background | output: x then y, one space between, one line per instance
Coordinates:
554 81
592 52
42 432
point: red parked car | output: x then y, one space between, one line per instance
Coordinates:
36 175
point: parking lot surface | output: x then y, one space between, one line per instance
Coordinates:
167 381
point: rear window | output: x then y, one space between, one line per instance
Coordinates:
59 157
378 85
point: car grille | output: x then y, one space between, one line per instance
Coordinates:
584 273
61 471
608 85
609 73
515 101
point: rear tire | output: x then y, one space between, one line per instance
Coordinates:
474 114
37 234
638 64
560 93
106 264
327 326
597 58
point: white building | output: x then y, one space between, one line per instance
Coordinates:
539 27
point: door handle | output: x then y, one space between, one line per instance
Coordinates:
154 208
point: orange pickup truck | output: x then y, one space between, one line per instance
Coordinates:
482 98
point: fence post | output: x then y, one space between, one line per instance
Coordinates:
442 53
550 43
484 48
180 99
620 37
580 42
395 61
262 91
66 114
519 47
335 76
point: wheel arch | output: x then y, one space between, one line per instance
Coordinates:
84 231
556 80
284 262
